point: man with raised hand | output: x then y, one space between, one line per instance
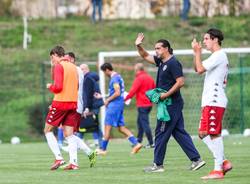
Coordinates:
169 78
214 100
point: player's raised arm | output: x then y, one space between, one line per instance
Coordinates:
196 46
143 53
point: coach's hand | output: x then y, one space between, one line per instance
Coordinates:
163 96
139 39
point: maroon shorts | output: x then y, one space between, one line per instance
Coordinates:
211 120
76 128
57 117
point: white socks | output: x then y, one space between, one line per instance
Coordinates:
208 141
217 148
82 145
74 142
53 145
218 153
72 149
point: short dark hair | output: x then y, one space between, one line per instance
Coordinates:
106 66
71 54
216 33
166 44
59 50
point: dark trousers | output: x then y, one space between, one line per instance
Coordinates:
185 9
97 3
143 124
174 127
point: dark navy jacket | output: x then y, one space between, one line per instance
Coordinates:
90 86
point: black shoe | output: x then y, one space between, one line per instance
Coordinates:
154 168
148 146
195 165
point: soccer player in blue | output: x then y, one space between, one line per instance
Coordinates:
114 111
169 78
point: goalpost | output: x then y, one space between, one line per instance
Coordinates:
102 57
26 36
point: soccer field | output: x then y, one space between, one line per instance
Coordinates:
29 164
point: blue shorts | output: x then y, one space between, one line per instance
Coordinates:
114 117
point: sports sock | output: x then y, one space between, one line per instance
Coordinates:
208 141
133 140
60 136
83 146
53 145
96 138
100 138
218 153
72 149
95 135
104 144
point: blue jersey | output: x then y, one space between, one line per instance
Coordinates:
116 79
167 74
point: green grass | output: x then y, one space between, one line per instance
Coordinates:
20 71
29 163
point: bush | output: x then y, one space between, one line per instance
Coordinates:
37 115
197 22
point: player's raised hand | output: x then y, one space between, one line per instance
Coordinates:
139 39
193 43
196 46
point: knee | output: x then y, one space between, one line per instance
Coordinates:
124 130
147 130
67 134
47 129
202 135
120 129
68 131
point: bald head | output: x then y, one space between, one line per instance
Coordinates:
84 68
139 67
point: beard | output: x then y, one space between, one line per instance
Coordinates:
158 56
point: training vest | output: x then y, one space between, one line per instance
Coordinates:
69 92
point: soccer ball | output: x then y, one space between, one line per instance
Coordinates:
224 133
246 132
15 140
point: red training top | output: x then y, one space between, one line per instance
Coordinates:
142 83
